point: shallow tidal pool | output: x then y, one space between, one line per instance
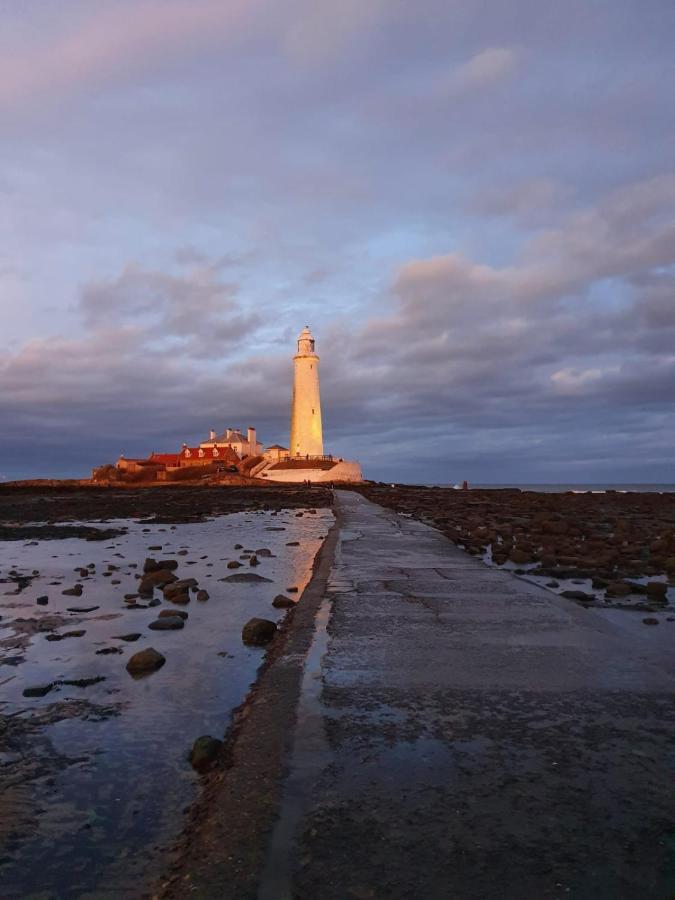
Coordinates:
95 776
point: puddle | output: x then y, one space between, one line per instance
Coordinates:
103 768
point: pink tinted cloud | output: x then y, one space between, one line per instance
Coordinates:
112 40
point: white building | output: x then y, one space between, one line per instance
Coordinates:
232 437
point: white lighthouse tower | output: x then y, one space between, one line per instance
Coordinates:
306 431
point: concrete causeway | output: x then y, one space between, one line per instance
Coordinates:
472 736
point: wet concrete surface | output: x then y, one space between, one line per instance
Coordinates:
484 737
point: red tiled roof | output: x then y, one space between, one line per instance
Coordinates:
217 453
165 459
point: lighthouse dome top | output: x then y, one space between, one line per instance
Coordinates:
306 342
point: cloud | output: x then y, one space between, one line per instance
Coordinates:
475 218
195 314
490 66
111 40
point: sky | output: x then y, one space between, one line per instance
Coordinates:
470 202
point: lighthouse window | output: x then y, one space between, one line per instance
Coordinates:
312 412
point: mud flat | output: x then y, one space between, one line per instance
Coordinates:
95 773
610 550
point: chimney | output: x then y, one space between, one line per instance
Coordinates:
251 438
228 434
212 435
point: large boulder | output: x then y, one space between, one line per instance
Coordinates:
144 661
282 602
258 631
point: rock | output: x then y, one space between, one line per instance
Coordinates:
67 634
247 577
155 601
657 589
38 690
202 596
42 601
160 578
263 552
552 584
178 587
650 620
253 561
167 623
292 543
258 631
75 591
282 602
578 595
134 636
618 589
83 682
182 553
104 651
238 546
520 556
273 528
291 590
81 609
167 613
147 660
131 596
155 547
204 750
234 564
154 565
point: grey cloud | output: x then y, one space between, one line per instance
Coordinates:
197 310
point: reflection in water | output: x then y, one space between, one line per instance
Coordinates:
107 764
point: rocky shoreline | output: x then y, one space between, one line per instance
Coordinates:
622 543
57 502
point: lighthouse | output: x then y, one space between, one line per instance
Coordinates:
306 431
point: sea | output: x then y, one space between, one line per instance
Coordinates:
576 488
